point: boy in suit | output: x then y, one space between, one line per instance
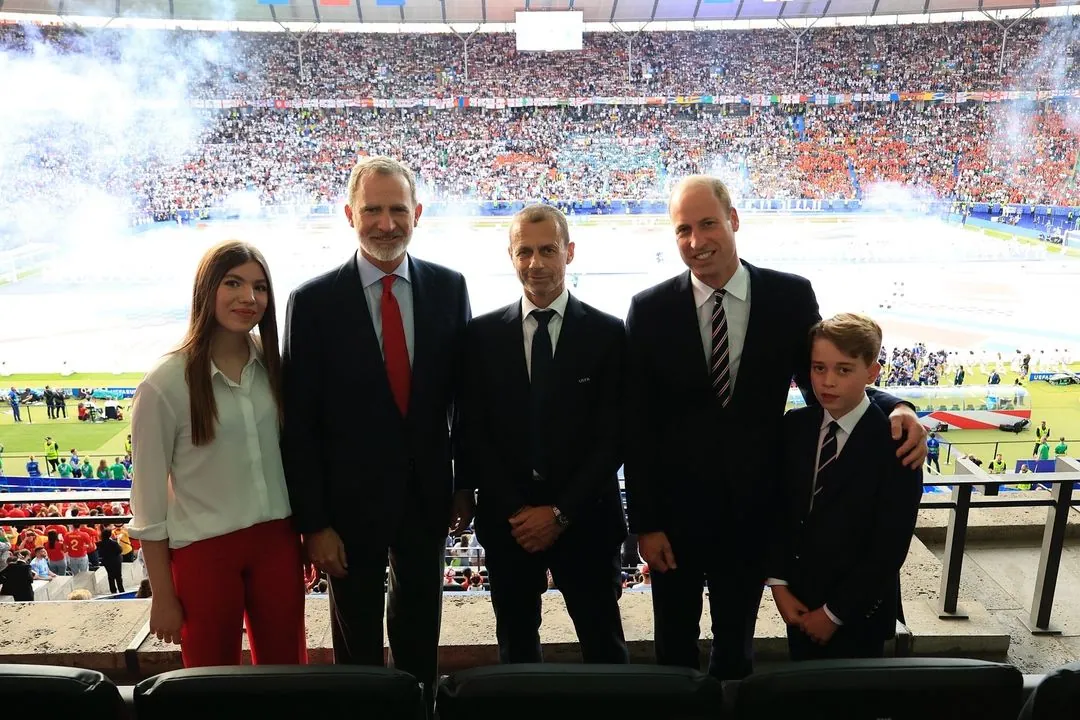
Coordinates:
847 506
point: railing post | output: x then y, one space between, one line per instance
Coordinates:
1057 518
955 540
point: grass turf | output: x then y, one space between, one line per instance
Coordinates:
1059 406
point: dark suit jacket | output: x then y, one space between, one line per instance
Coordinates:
694 469
585 442
360 467
847 551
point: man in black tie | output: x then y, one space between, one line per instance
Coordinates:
541 423
711 356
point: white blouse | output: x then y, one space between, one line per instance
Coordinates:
182 493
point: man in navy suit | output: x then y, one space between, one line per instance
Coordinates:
711 356
848 507
541 413
373 482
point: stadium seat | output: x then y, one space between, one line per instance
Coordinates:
895 688
543 691
270 692
1057 697
81 693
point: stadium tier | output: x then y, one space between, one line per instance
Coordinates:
188 121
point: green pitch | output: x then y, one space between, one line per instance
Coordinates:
1059 406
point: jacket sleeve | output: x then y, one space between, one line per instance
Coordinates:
606 454
303 454
807 314
873 576
642 463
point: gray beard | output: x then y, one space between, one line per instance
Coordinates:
385 253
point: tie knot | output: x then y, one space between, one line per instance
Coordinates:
388 283
719 295
834 427
543 317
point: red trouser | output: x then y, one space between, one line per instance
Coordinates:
256 572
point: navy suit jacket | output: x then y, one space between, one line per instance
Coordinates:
693 469
358 466
584 438
846 552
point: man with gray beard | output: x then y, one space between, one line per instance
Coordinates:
373 482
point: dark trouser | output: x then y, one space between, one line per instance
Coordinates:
15 413
54 465
734 597
933 460
413 606
51 410
113 567
844 644
590 579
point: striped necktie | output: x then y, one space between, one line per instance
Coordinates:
828 447
720 368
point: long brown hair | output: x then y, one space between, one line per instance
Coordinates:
213 267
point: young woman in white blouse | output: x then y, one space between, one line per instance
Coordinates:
209 498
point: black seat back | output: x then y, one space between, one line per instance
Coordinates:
547 690
895 688
85 693
278 692
1057 697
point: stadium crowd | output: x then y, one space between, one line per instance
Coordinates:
885 58
1019 152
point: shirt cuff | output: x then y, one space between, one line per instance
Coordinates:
775 581
152 532
837 621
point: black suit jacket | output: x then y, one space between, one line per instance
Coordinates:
846 552
360 467
694 469
585 432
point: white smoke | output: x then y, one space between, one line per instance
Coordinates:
87 122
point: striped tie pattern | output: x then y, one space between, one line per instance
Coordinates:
721 368
828 447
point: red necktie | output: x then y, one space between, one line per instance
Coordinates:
395 351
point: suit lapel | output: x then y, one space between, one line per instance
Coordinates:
807 459
511 356
688 350
569 346
755 343
420 285
358 342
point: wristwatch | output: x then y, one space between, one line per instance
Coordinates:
560 519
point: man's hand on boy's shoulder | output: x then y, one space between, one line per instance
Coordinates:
818 626
906 426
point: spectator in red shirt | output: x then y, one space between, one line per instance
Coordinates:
54 548
77 545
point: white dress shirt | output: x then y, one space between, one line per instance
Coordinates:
371 278
847 424
182 493
736 309
529 324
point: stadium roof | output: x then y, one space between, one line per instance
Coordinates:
502 11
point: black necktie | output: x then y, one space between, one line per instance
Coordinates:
720 369
540 375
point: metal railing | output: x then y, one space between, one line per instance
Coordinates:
968 478
963 446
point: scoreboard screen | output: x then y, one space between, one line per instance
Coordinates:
549 31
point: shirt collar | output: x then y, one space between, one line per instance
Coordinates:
558 305
369 274
736 286
255 355
851 419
